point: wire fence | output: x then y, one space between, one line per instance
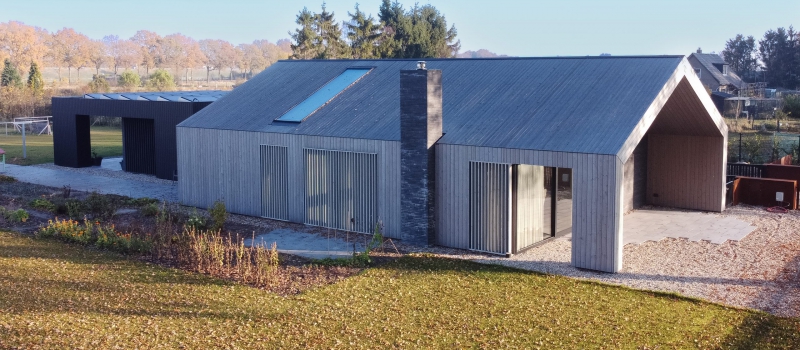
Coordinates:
762 148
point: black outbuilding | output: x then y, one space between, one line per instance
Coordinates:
148 127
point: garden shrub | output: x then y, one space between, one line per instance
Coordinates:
101 206
43 204
149 209
218 216
94 233
74 208
6 178
110 239
19 215
196 221
67 230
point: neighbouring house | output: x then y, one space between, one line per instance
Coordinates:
491 155
715 73
148 122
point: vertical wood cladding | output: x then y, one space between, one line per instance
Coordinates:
204 181
274 182
139 145
72 142
341 189
490 207
635 182
597 205
686 172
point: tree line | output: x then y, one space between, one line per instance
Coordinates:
419 32
66 48
774 59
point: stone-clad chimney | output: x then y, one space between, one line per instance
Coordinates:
420 128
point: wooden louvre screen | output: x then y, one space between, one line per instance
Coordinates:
341 189
490 207
274 182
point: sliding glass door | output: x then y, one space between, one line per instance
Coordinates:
515 206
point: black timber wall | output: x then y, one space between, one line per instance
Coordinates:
140 156
72 143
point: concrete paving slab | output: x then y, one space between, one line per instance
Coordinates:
112 164
307 245
89 183
654 225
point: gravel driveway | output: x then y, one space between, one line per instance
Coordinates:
762 271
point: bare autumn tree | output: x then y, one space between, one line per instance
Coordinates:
218 54
97 55
149 46
181 53
232 59
71 49
121 53
22 43
251 59
211 61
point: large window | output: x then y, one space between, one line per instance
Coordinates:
515 206
323 95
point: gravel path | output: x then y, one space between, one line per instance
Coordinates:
98 171
762 271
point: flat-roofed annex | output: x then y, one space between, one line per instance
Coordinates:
325 94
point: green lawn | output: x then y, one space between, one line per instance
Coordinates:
105 140
54 295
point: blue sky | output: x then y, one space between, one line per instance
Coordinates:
512 27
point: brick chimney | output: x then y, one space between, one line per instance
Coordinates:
420 128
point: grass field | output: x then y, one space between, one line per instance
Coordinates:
106 141
54 295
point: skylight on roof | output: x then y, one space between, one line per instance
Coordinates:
322 96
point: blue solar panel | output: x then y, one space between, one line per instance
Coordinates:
323 95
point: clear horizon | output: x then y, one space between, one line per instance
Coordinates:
515 28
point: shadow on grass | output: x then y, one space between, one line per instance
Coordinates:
763 331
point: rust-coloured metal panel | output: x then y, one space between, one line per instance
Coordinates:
760 191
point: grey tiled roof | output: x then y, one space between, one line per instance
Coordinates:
708 60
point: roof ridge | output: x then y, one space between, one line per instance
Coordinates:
483 58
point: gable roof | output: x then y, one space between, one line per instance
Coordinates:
708 60
572 104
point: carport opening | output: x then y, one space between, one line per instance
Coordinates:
105 139
679 163
116 143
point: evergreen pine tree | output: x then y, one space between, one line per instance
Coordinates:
329 36
10 76
305 44
35 81
363 34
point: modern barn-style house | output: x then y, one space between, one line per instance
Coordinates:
492 155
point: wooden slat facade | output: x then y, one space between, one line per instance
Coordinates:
225 165
597 208
341 189
686 172
274 182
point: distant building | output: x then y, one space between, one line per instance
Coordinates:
715 73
